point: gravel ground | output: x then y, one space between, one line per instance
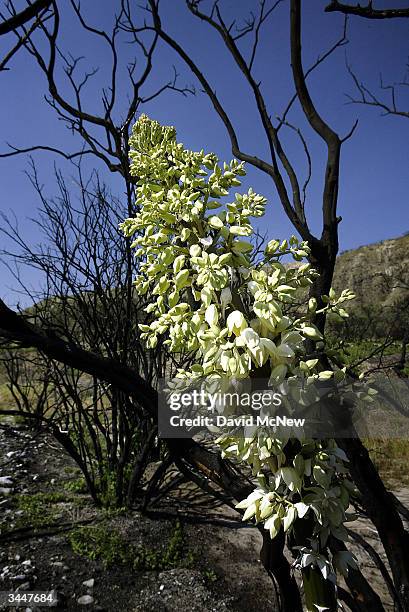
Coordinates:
224 576
219 570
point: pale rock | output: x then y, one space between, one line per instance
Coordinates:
85 600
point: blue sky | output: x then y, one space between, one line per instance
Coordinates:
374 184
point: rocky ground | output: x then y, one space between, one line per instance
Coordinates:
216 569
45 528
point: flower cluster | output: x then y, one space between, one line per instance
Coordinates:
211 296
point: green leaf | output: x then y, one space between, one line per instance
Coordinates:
311 332
236 322
321 476
289 518
211 315
250 511
299 464
236 230
273 525
272 246
181 279
291 478
215 222
178 263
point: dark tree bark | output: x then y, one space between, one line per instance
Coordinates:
15 328
273 560
368 11
323 251
20 19
380 507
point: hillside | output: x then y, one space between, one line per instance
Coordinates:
378 273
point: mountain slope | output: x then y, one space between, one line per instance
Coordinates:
378 273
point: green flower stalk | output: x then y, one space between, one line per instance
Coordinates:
212 297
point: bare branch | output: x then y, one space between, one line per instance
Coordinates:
367 11
104 138
19 19
16 328
293 209
330 194
170 85
68 156
368 98
41 18
263 16
342 41
308 156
